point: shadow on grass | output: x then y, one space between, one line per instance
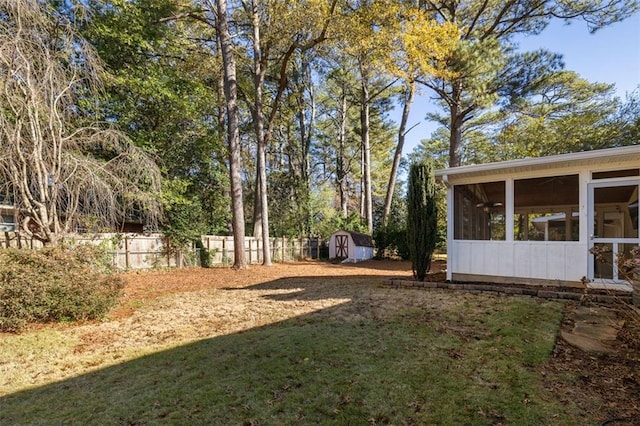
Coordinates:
379 264
409 368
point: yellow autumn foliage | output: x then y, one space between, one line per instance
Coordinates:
398 39
284 22
426 47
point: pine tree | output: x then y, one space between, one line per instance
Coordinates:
421 217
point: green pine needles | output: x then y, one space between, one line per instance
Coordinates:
421 217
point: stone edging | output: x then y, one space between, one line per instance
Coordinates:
557 293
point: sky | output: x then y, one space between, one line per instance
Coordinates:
611 55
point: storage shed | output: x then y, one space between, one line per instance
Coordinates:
350 246
535 220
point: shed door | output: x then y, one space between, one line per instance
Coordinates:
613 227
342 246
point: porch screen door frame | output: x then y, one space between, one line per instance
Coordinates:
614 241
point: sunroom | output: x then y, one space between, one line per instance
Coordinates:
535 220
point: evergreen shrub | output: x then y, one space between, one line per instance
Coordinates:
391 242
55 284
204 253
422 220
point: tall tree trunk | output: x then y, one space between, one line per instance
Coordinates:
233 135
221 115
305 124
408 101
366 152
258 121
362 211
455 137
342 172
257 205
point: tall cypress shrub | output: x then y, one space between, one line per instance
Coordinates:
421 217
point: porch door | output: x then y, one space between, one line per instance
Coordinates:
342 246
613 227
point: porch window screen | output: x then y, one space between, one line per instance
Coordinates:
546 209
479 211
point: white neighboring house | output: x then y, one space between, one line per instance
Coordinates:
8 217
507 221
350 246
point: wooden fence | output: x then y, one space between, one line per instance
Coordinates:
282 249
14 239
139 251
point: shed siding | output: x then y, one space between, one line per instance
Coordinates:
356 252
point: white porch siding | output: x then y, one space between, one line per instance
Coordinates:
538 260
518 259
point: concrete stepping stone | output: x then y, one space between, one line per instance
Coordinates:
595 329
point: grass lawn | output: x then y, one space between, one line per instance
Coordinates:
306 350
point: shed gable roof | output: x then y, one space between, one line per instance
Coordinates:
361 240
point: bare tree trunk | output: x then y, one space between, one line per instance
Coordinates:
408 101
455 138
366 152
257 205
306 124
221 116
233 135
362 211
258 121
342 172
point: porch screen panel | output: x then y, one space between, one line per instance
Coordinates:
546 209
479 212
607 265
616 212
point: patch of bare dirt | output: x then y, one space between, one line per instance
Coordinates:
148 285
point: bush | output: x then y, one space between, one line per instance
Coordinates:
205 255
55 284
391 242
422 217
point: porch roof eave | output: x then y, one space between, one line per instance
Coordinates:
624 154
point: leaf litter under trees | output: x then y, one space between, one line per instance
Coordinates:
164 311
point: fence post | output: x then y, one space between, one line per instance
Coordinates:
258 251
272 247
168 256
250 251
126 251
224 249
284 259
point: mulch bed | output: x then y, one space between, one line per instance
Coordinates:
607 385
